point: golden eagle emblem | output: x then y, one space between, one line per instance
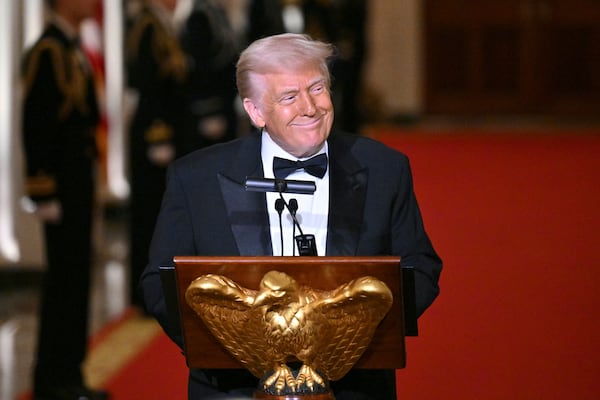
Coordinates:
325 332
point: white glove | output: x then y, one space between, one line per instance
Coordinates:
49 211
161 154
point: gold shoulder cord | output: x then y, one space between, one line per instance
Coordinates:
166 51
75 90
170 55
53 47
135 35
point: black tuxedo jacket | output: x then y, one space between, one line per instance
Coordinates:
372 211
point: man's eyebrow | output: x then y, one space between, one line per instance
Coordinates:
287 92
293 90
318 81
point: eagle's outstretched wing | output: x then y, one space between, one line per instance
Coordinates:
348 318
226 309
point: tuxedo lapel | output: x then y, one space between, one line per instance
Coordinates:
347 193
246 211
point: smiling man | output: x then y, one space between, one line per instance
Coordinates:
364 203
293 105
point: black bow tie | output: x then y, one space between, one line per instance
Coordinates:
316 166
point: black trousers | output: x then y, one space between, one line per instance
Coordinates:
64 308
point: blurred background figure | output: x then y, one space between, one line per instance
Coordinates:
157 71
212 34
60 118
265 19
343 23
210 40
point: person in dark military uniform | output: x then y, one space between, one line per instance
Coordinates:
213 47
212 39
157 70
265 18
60 116
342 23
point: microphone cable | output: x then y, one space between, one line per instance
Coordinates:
293 209
279 206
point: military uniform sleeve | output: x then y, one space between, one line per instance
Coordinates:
40 120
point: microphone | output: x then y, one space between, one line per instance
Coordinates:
255 184
307 245
293 206
279 206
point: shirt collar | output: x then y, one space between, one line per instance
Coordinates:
270 149
69 30
164 15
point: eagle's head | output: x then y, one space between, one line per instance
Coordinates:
276 288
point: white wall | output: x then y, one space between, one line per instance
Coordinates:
20 233
394 69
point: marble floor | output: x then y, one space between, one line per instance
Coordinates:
19 303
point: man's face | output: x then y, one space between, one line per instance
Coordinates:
170 5
295 108
78 10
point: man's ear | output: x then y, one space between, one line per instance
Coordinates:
254 113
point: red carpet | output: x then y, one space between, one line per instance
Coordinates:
515 218
157 373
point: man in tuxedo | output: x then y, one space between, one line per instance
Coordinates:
364 203
60 116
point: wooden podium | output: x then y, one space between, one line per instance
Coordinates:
202 350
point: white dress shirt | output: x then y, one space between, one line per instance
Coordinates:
313 210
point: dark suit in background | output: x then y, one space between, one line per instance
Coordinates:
60 114
344 24
264 19
373 211
213 48
213 45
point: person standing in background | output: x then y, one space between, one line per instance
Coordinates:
60 117
157 70
213 33
210 41
342 23
265 19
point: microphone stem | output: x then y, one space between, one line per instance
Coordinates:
279 205
293 214
293 236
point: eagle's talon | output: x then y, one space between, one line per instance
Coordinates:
309 376
280 384
291 381
281 379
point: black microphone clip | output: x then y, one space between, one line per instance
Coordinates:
307 245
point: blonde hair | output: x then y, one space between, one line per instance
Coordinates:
284 52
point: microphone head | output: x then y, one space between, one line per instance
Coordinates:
279 205
293 203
